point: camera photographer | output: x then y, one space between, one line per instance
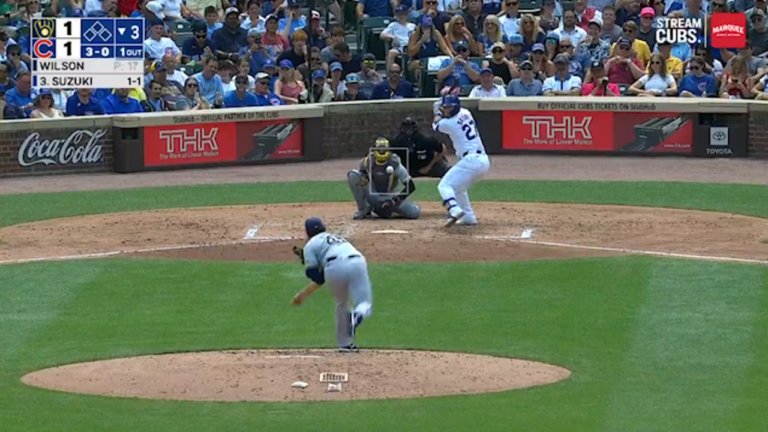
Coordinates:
598 83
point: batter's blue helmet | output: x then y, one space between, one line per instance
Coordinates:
452 101
314 226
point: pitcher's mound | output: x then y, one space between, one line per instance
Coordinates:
267 375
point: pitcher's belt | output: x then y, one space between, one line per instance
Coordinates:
333 258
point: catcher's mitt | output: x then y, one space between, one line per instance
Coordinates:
299 252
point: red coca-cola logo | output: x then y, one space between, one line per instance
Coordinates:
80 147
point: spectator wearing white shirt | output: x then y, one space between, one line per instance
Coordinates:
450 6
173 75
156 46
657 82
487 88
398 33
174 10
510 20
92 6
254 18
563 83
569 29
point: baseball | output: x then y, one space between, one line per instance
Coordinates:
390 170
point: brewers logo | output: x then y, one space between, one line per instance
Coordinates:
43 28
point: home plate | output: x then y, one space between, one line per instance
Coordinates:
389 232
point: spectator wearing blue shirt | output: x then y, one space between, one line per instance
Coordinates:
294 21
119 103
212 20
255 53
698 83
273 7
264 96
82 104
394 87
5 76
195 47
240 97
9 111
527 84
211 86
14 61
374 8
270 68
23 95
230 38
459 71
108 9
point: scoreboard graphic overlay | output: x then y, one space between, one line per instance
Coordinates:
70 53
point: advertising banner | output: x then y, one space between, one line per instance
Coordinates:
634 132
79 147
209 143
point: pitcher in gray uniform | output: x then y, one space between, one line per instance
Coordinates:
374 185
330 257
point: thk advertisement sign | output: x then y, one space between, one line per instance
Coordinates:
597 131
210 143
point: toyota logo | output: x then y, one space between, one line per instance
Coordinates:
719 135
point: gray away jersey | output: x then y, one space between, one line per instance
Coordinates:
325 245
381 182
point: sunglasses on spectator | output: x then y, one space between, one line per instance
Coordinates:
201 36
656 62
513 4
192 85
526 68
430 3
497 50
566 46
756 18
695 68
263 82
461 49
13 54
315 58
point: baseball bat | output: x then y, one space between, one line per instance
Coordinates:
302 295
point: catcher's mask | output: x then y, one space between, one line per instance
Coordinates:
381 152
409 126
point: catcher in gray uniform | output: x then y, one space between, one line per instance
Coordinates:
373 185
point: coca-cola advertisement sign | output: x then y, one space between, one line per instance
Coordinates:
81 147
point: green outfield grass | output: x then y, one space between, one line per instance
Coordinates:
654 344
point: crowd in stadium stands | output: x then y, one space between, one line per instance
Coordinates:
203 54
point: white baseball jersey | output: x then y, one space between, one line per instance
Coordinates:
326 245
463 132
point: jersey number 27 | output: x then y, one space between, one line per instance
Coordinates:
469 130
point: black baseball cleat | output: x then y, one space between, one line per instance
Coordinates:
357 319
352 348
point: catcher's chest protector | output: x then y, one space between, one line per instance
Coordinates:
382 182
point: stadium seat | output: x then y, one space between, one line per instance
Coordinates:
182 27
465 90
567 4
368 36
530 6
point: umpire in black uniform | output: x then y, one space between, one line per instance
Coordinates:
425 154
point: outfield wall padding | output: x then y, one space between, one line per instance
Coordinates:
301 133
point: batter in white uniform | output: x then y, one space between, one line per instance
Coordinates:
458 123
330 257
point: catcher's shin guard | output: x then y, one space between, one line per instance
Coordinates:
358 186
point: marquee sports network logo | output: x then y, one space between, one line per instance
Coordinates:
675 30
729 30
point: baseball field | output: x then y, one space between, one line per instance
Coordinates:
606 299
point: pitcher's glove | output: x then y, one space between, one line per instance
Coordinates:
299 252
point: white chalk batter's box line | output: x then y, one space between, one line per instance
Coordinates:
624 250
275 239
148 250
